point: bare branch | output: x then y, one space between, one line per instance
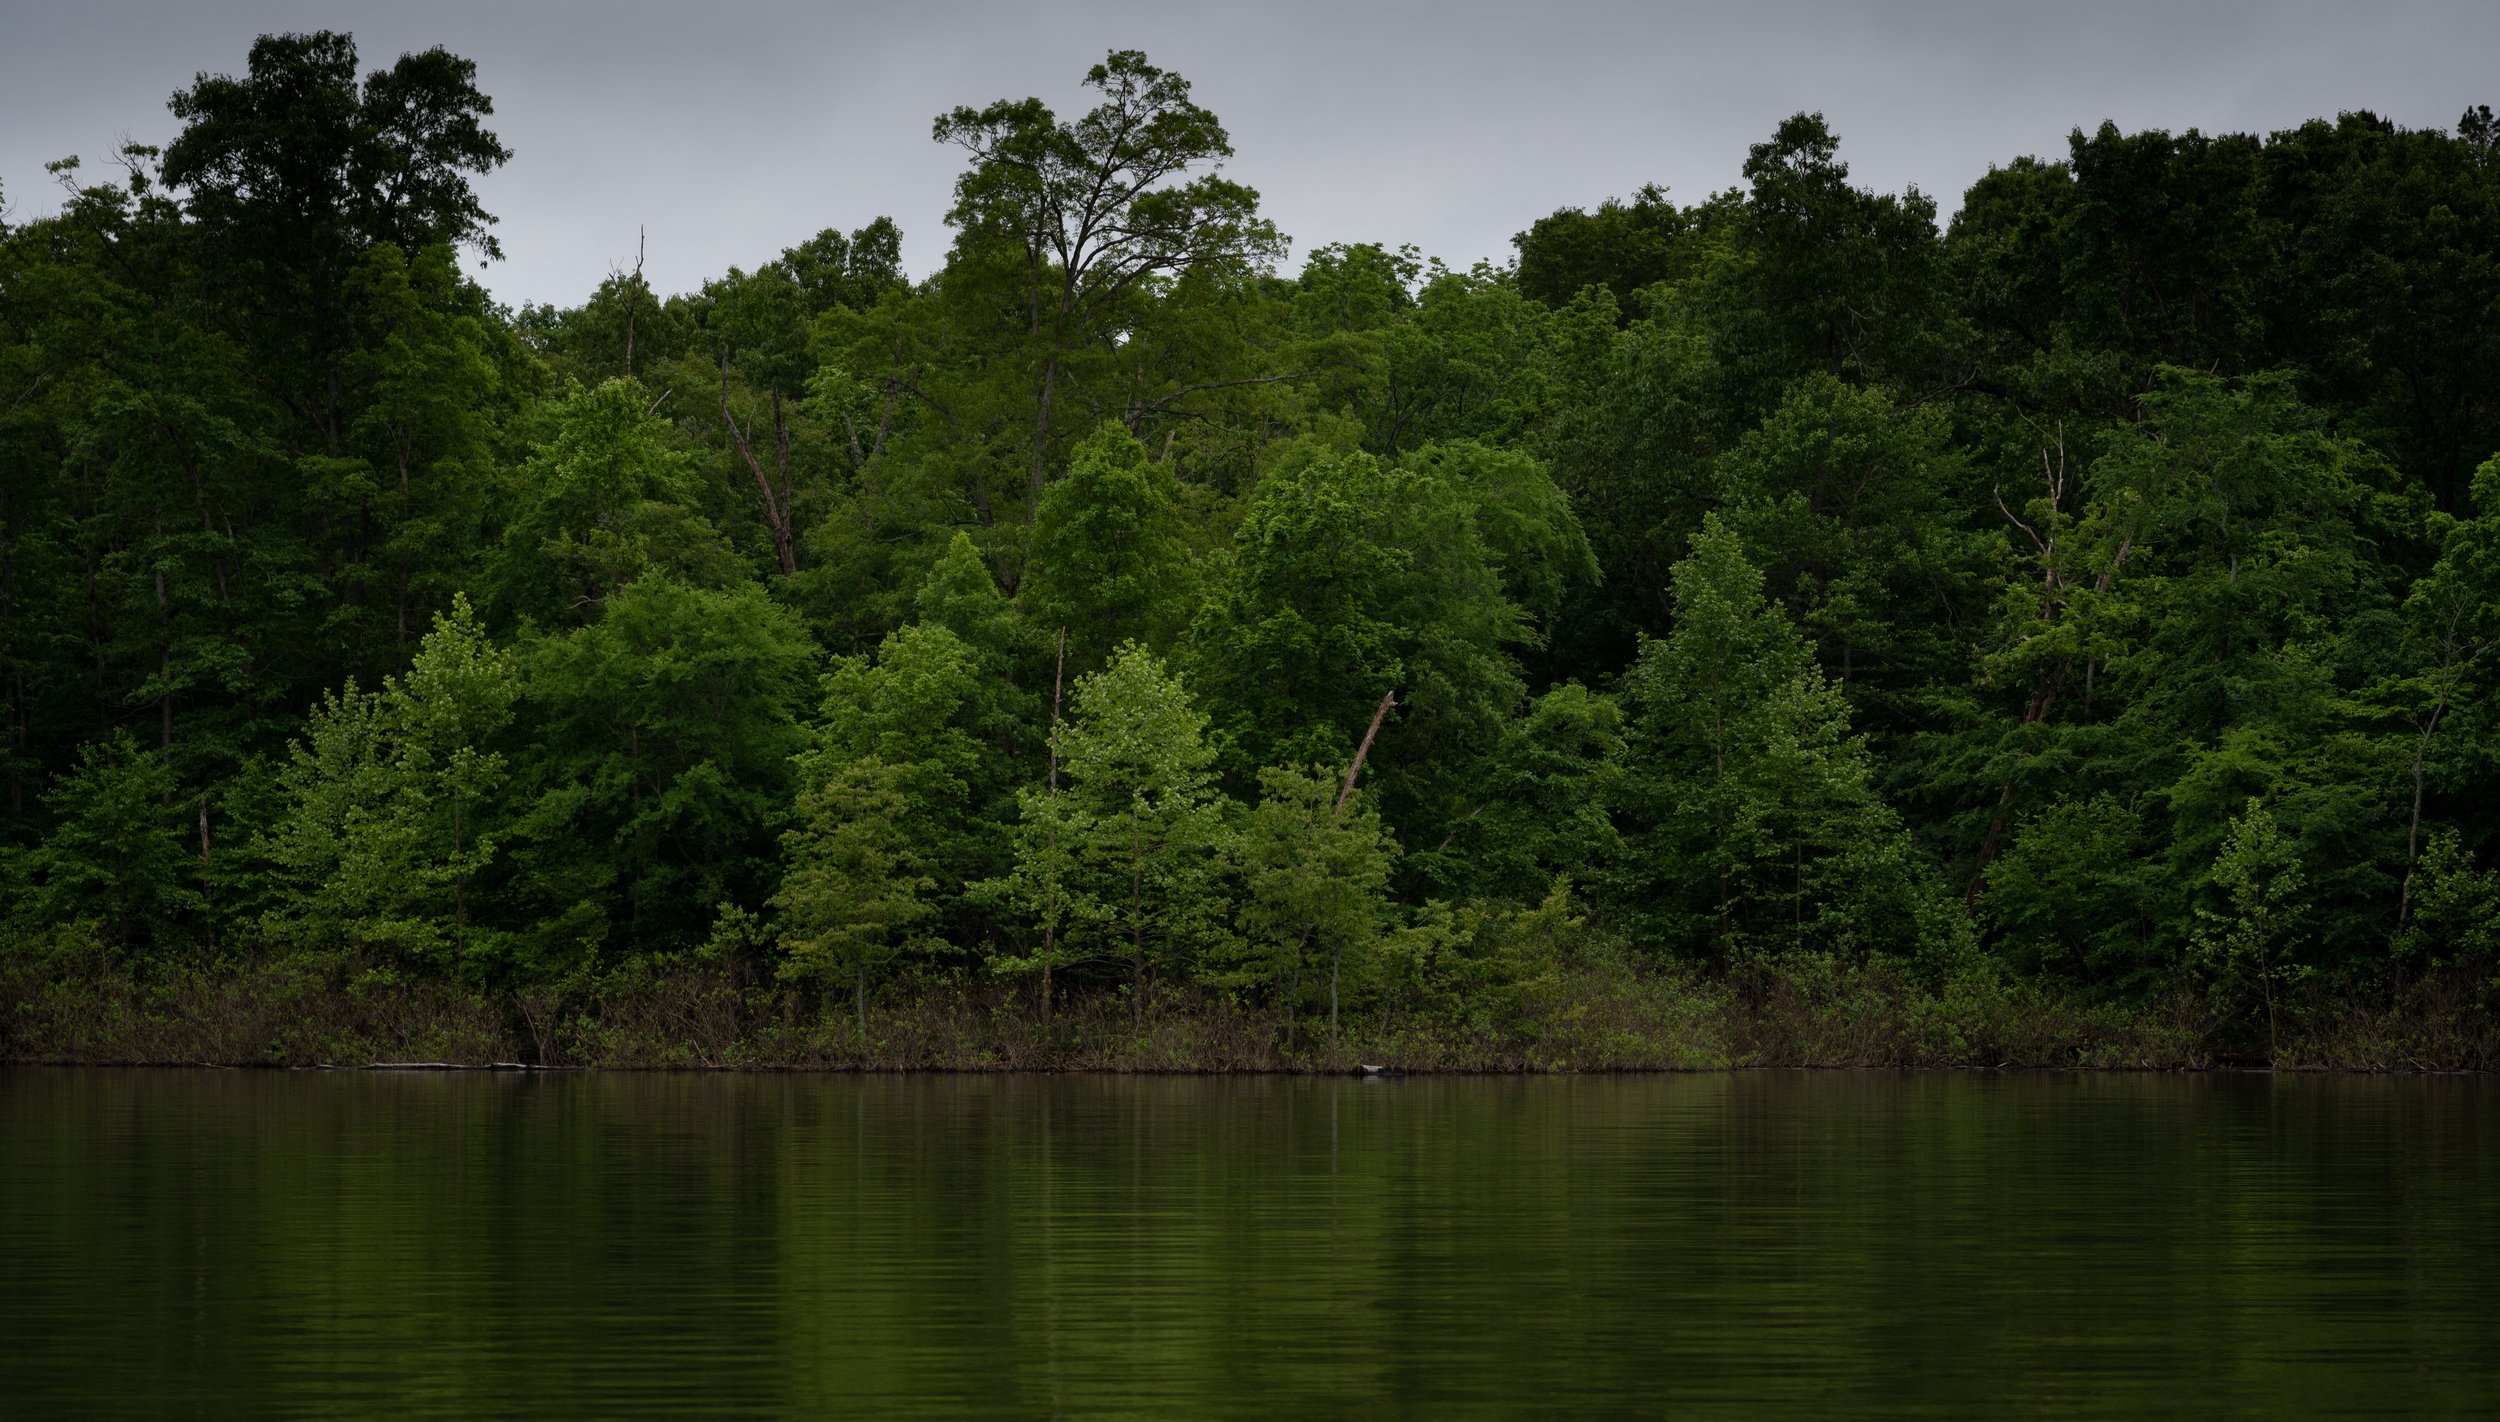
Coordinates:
776 517
1387 701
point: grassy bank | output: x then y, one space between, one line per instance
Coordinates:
1807 1012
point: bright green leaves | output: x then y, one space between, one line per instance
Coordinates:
960 595
1119 857
2454 917
1293 643
2075 895
1079 226
1542 804
2249 944
1855 510
2140 497
1523 517
2185 638
1409 352
1315 869
389 803
532 812
929 710
904 706
1135 744
854 892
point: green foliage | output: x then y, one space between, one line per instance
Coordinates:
1548 796
1349 580
1857 512
604 502
1110 561
1315 869
925 711
856 271
1524 518
2456 911
2249 943
1077 224
392 808
430 379
1126 862
1624 247
1757 819
1410 352
2073 895
116 857
1729 582
853 891
661 740
960 595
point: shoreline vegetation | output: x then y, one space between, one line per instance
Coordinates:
1599 1019
1771 627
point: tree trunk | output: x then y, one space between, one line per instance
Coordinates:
1050 930
208 889
1041 437
1137 920
165 653
1388 700
1336 966
776 515
633 302
2413 830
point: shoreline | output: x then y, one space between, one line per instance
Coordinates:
1809 1014
1246 1073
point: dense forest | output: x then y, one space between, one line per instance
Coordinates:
2082 601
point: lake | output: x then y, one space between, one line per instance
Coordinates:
204 1243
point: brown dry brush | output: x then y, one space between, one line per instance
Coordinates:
1805 1012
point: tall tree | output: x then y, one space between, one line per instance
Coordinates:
294 169
1350 580
854 889
1755 820
1315 865
1090 211
391 810
1123 862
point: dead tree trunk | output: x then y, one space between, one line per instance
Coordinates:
776 509
1388 701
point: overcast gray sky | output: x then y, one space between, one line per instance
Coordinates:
731 130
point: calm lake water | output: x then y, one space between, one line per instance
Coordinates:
464 1245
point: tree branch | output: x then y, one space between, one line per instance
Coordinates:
776 517
1388 700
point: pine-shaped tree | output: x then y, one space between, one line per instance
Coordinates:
1755 821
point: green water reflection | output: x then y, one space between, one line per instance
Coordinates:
264 1244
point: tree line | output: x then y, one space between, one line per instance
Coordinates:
2096 588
